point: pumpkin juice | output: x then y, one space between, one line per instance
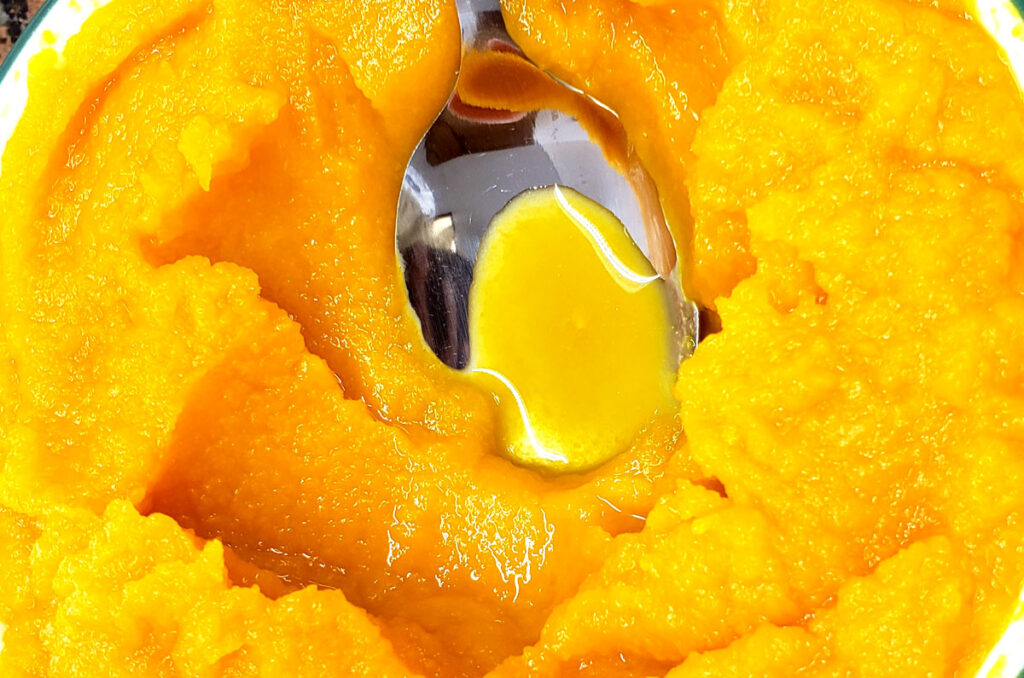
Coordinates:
226 451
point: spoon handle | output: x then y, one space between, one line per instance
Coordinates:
468 7
481 21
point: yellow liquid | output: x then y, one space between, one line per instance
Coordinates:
569 328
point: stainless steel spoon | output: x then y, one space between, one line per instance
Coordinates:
471 162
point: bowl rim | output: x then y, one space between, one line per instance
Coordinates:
33 25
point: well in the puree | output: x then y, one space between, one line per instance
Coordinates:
225 451
570 327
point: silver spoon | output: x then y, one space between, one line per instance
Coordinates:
468 166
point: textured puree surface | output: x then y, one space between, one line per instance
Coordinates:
225 451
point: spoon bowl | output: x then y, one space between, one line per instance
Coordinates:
474 159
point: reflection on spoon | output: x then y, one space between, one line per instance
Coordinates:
504 80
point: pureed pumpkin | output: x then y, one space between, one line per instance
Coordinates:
226 451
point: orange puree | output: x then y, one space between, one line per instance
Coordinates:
224 450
